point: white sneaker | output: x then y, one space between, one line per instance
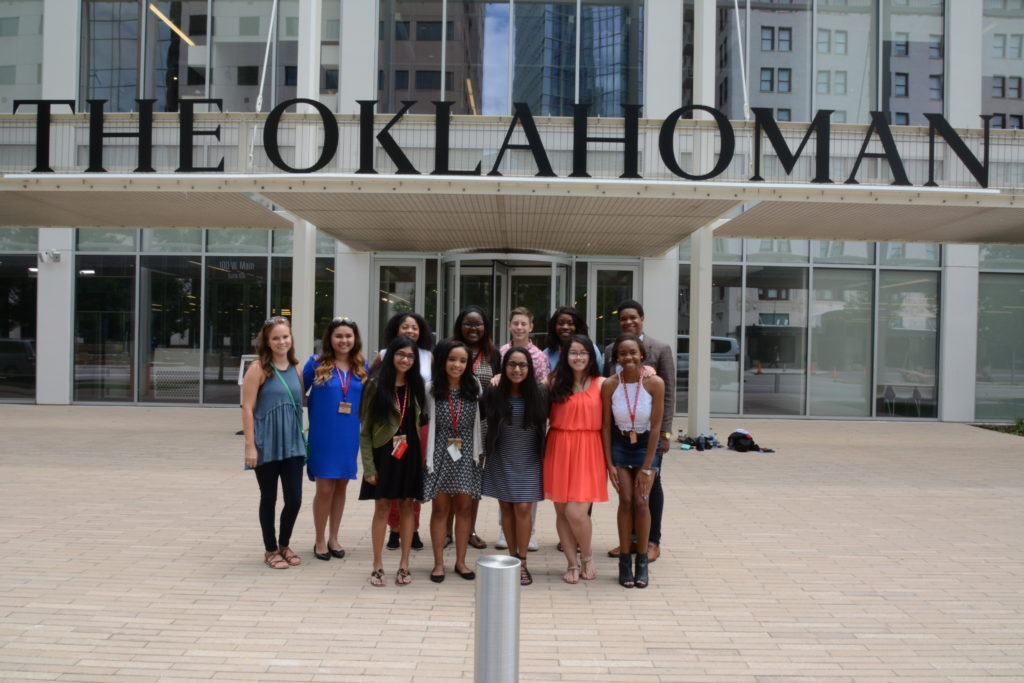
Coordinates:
533 543
501 544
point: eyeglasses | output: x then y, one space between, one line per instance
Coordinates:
579 354
466 323
518 365
276 320
405 356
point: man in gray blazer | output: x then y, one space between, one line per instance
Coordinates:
661 357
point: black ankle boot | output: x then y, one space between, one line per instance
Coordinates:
641 580
625 570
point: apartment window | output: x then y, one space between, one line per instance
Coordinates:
331 80
1013 87
901 85
767 38
291 27
785 80
785 39
998 86
935 87
401 80
999 120
402 30
1016 121
783 115
824 83
934 47
248 75
839 116
824 40
431 80
431 30
901 44
291 75
999 45
8 26
1014 48
772 294
840 42
901 118
248 26
767 80
839 82
8 75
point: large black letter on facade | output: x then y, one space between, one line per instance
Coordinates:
96 135
392 148
43 129
187 131
979 170
442 130
630 138
820 126
534 144
890 154
725 133
274 121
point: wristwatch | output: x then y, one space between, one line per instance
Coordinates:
666 435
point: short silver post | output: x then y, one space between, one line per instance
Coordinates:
496 654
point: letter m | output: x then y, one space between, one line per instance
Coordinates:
764 121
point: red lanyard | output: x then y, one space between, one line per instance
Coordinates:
477 361
344 381
455 413
636 400
402 403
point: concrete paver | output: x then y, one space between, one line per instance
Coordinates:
859 551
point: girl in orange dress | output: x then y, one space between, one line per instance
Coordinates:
574 469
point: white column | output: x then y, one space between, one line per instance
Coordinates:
352 278
661 308
55 307
958 332
308 85
699 408
663 26
963 63
358 77
704 38
61 36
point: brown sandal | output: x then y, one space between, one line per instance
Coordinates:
377 577
525 578
572 574
585 575
477 542
288 556
274 560
403 577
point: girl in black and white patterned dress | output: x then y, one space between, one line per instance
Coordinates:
452 472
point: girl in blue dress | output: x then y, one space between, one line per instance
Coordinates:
335 379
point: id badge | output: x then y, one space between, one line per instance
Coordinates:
632 437
454 450
398 446
457 442
344 408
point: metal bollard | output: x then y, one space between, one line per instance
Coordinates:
496 652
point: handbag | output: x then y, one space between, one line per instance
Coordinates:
298 413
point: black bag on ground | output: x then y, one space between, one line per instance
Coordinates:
739 441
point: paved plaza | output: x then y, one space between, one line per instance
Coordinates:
859 551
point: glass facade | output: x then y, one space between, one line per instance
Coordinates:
21 51
18 279
999 387
1002 61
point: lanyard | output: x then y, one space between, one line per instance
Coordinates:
344 380
455 413
477 361
636 400
402 403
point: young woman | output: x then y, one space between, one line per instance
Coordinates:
274 444
453 467
335 379
632 402
473 328
574 468
564 323
517 413
392 413
415 327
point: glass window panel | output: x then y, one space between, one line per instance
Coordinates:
325 244
779 73
544 66
235 306
330 46
852 28
825 251
999 387
172 239
917 26
1002 36
239 39
611 55
396 52
281 288
21 50
283 240
169 291
777 251
287 54
237 241
19 239
776 338
908 254
323 304
612 287
430 296
18 278
1002 257
398 295
104 328
106 239
841 316
580 288
175 64
908 310
110 41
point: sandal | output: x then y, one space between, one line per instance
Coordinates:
274 560
641 578
288 556
584 574
377 577
626 571
477 542
572 574
525 578
403 577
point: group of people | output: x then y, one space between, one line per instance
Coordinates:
450 423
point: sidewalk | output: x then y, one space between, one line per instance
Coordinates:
859 551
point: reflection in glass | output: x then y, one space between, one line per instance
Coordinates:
21 51
397 295
776 325
19 239
1002 36
239 39
611 55
18 327
405 63
824 251
106 239
237 241
476 55
840 382
281 288
778 74
176 65
104 322
235 304
172 239
908 305
110 41
1002 257
544 72
913 34
323 304
330 46
908 254
612 287
999 388
169 289
777 251
430 297
533 292
845 60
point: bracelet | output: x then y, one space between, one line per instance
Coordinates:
649 473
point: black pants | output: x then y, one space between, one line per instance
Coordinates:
289 471
657 505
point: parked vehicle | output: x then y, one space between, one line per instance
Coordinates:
722 349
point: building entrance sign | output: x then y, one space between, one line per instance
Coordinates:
765 128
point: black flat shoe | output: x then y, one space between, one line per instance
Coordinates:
339 553
641 579
437 578
393 541
321 556
468 576
417 543
626 571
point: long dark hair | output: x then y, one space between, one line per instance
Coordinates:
469 388
263 346
487 348
355 356
499 408
426 338
384 398
561 382
553 342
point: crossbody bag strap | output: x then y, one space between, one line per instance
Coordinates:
295 407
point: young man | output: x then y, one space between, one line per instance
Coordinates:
661 357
